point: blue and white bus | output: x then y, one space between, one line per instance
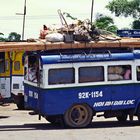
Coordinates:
76 87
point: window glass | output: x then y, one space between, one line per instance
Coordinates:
32 69
15 86
61 76
119 72
138 73
2 69
91 74
2 62
16 65
41 76
25 73
32 61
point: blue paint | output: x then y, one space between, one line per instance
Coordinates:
129 33
31 102
55 59
57 101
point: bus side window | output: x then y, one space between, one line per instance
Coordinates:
17 65
61 76
138 73
2 66
2 62
91 74
119 72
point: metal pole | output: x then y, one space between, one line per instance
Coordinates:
92 10
11 75
24 14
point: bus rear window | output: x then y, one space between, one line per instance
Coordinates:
61 76
91 74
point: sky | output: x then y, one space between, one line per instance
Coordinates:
40 12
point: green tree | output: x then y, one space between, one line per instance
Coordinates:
136 24
105 23
13 36
1 33
126 8
2 39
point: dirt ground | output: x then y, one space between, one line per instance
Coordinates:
16 124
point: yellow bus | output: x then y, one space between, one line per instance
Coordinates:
4 76
11 77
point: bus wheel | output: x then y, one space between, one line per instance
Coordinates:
78 116
122 117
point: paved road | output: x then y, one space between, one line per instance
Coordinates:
19 125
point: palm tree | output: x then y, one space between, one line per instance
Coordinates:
1 37
1 33
105 23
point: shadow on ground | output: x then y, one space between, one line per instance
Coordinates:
4 117
48 126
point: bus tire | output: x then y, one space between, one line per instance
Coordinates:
122 117
78 116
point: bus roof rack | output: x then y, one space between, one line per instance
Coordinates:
132 43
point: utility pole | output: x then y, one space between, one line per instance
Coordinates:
92 11
24 15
